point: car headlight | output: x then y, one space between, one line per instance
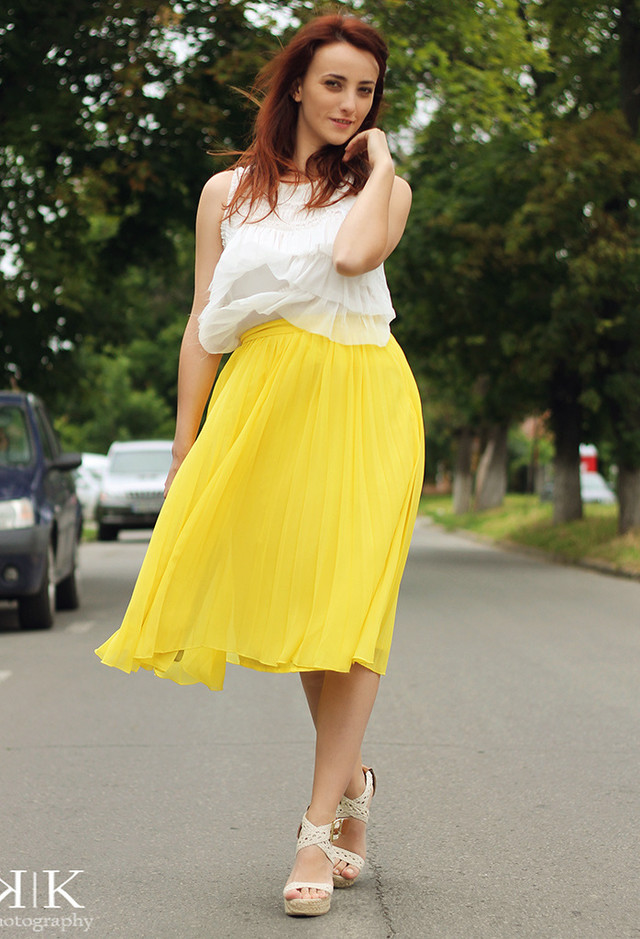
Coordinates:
16 513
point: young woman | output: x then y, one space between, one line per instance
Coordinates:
287 522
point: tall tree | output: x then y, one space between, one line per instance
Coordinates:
554 259
590 94
106 113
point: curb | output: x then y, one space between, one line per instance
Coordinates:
597 567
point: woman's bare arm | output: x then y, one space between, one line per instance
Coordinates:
375 224
197 368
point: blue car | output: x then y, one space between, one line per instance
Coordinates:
40 515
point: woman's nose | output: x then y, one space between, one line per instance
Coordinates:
348 103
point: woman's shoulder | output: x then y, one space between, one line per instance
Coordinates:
216 189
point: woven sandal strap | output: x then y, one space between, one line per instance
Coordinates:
359 807
298 885
352 859
319 835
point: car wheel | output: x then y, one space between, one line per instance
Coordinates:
67 595
37 611
107 532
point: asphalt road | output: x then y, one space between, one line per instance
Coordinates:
505 741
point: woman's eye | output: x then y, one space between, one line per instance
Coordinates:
332 84
366 91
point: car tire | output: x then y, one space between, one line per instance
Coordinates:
67 595
37 611
107 532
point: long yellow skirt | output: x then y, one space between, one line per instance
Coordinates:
282 541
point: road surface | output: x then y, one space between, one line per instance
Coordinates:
505 741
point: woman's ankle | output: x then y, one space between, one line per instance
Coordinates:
357 785
320 815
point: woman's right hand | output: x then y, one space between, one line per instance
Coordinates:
176 463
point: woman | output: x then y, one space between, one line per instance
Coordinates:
287 521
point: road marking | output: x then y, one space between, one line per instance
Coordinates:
82 627
4 675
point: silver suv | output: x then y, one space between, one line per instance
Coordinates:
132 486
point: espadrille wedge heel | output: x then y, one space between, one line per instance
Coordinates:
359 809
321 836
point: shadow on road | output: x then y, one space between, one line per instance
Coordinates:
9 617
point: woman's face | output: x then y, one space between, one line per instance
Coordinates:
335 95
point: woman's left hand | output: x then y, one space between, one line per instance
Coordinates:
373 142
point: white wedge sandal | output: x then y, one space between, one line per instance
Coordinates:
353 808
321 836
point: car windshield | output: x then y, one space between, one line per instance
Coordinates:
16 447
132 462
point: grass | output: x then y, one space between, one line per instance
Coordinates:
89 531
524 520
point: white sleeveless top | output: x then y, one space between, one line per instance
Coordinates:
280 267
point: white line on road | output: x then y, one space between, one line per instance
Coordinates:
82 627
4 675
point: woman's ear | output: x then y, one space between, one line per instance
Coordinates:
295 90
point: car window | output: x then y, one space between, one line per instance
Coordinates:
140 461
50 444
16 445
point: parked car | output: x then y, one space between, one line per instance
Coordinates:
593 488
40 515
132 486
88 478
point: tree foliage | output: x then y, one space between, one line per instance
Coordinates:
107 113
518 278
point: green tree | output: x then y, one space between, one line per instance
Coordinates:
108 406
585 279
520 261
107 113
589 94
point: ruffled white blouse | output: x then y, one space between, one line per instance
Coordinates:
279 266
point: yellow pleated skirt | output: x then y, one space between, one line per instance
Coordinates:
283 539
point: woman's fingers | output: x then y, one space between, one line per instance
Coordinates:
173 469
373 142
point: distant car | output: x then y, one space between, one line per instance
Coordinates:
132 486
40 515
594 488
88 478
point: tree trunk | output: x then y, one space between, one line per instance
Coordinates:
629 498
462 478
491 478
629 63
566 422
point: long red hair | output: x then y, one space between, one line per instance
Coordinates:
269 157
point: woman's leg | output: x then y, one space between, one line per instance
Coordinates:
353 835
312 684
342 710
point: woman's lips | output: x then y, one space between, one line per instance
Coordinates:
339 123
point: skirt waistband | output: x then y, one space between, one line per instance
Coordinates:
270 328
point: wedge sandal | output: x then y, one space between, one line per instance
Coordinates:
321 836
359 809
